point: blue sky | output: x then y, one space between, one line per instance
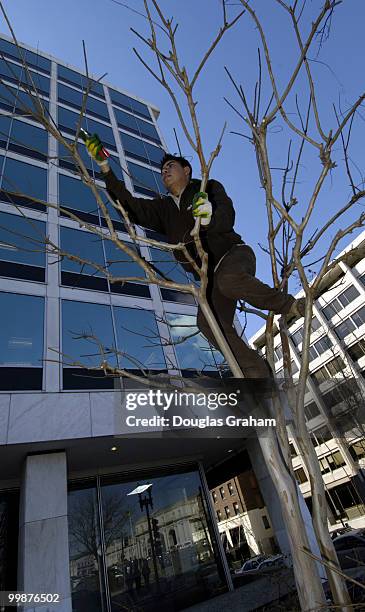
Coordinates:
59 27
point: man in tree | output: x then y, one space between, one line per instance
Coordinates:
231 262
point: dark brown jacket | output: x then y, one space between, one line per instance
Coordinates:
162 215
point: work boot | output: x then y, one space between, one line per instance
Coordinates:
297 310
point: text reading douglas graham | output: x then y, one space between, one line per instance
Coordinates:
197 422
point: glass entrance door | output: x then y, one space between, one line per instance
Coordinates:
158 549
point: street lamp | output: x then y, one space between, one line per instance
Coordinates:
146 501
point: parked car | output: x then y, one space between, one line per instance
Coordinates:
250 564
271 563
260 565
350 548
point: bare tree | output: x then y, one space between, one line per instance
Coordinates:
291 241
174 77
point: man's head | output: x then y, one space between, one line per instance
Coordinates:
176 173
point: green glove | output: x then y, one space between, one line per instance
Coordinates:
96 149
202 208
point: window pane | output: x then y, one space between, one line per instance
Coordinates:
85 245
21 339
331 309
20 239
356 351
313 354
68 121
119 263
359 317
104 132
86 569
279 352
140 109
24 179
121 99
84 319
66 160
143 179
183 552
37 61
155 154
17 74
134 147
29 140
335 366
348 296
125 120
297 337
40 82
75 78
167 264
161 187
344 328
26 104
138 339
323 344
5 122
70 96
7 97
194 352
74 194
33 59
311 410
10 72
98 108
148 130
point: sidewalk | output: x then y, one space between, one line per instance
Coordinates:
250 596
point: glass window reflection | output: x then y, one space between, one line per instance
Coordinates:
85 245
138 339
130 104
22 240
143 179
7 97
119 263
80 320
74 194
192 349
162 556
23 182
21 339
29 140
75 78
168 265
127 121
66 160
134 147
68 121
155 154
148 130
33 59
86 561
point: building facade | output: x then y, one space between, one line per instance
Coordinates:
335 397
242 517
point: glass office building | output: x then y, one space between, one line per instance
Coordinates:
66 468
